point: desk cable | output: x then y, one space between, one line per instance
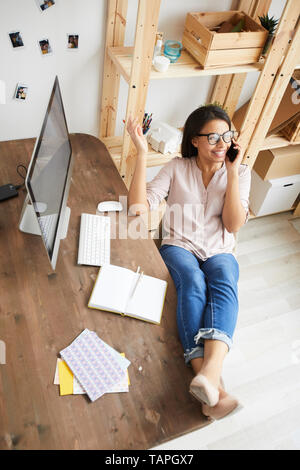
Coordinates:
19 186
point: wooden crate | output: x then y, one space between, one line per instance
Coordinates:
212 49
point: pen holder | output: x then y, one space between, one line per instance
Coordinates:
172 50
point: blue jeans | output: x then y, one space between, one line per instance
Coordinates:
207 298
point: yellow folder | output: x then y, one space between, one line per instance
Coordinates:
65 379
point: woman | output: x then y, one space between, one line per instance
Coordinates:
207 202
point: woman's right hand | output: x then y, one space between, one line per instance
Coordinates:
136 133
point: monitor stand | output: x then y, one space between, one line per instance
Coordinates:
29 224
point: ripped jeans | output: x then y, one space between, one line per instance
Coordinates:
207 298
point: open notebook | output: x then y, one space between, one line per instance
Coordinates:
121 290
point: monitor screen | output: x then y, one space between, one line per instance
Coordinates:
48 175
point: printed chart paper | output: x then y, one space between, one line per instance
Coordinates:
98 368
77 388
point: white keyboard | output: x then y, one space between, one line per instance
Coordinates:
48 225
94 240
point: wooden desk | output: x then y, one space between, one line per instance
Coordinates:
42 312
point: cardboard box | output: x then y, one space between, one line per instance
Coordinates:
211 48
292 131
289 108
287 111
269 197
278 163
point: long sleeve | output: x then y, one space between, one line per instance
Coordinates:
158 188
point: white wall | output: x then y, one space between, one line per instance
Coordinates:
80 71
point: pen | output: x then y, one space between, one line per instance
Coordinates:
137 282
147 122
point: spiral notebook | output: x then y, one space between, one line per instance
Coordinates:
121 290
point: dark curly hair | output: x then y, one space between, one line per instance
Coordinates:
195 122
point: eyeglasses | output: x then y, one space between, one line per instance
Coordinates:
213 138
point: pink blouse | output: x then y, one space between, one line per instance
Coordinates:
193 217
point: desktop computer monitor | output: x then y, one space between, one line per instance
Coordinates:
48 179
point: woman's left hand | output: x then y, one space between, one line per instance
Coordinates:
234 166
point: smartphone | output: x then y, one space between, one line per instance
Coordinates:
232 152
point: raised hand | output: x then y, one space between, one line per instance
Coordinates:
136 133
234 166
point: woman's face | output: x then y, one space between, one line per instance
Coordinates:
212 153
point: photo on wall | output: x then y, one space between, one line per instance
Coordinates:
44 4
73 41
16 39
45 47
21 92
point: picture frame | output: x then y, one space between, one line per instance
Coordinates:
21 92
73 41
45 47
44 5
16 39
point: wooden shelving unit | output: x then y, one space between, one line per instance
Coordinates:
114 144
135 65
276 141
185 67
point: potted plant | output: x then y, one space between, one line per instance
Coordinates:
270 25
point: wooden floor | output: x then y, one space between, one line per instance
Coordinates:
263 367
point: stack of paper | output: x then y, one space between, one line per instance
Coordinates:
91 366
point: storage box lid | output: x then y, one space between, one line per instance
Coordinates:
278 162
288 151
286 180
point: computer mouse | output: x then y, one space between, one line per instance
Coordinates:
107 206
